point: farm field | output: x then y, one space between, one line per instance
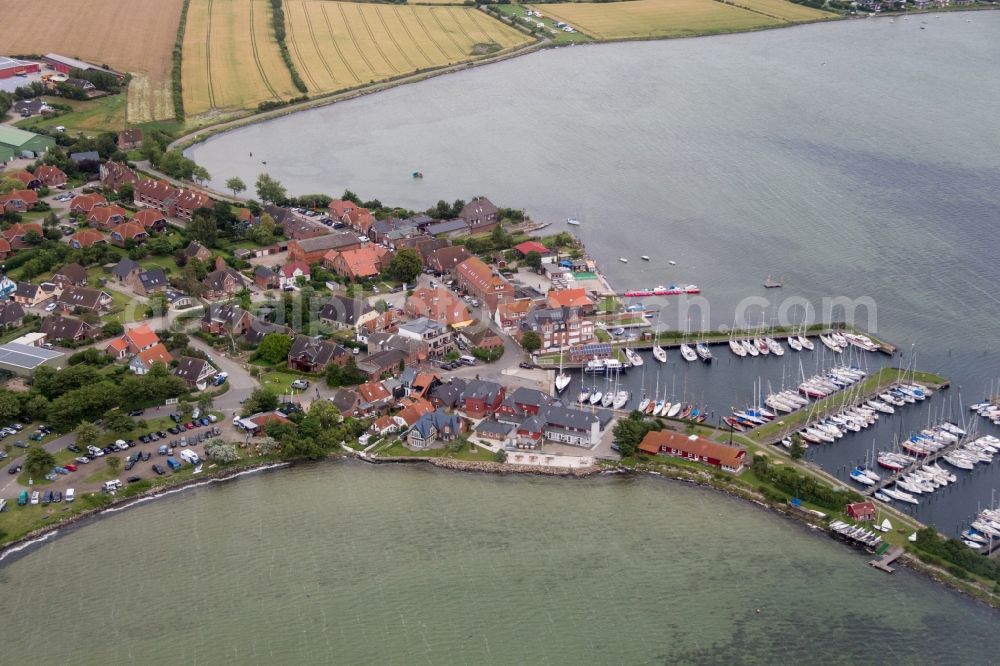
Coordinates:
338 45
134 36
674 18
231 60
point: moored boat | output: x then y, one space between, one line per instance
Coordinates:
687 353
659 353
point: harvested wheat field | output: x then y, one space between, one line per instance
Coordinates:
674 18
337 45
231 60
134 36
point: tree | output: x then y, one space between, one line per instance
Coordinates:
531 342
219 452
325 413
203 228
112 328
274 348
205 401
10 406
118 422
796 450
38 462
270 190
406 265
261 400
185 408
237 185
87 434
114 464
630 431
533 259
264 231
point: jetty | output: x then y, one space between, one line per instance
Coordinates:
917 464
886 558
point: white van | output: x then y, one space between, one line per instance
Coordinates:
112 486
467 360
189 456
70 494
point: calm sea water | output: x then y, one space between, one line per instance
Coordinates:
854 160
346 563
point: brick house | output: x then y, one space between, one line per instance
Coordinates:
358 263
571 298
18 201
17 234
312 355
51 176
559 327
265 278
312 250
116 174
222 282
28 180
84 298
863 512
128 231
105 217
82 204
143 362
338 208
70 275
359 219
87 238
130 139
479 280
445 259
481 215
435 336
151 220
150 281
58 327
228 319
342 312
728 458
440 304
196 250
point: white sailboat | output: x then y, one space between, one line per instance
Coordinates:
737 348
687 353
805 342
633 357
750 348
562 379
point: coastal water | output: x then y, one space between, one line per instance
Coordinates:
347 563
853 160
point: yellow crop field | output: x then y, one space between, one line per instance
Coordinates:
788 11
337 45
658 18
134 36
231 58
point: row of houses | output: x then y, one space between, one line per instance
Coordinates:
173 202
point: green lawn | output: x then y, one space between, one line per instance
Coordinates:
280 381
105 114
556 35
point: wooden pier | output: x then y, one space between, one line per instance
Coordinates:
887 558
917 464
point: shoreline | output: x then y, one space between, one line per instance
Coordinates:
205 132
700 479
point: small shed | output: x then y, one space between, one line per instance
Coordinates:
861 511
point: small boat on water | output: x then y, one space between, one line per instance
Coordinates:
830 344
794 344
761 346
584 396
608 399
659 407
596 397
659 353
620 399
645 257
672 262
623 260
750 347
573 222
562 381
633 357
774 346
704 353
806 342
687 353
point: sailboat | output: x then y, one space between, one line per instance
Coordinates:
584 396
633 357
687 353
704 353
659 353
793 343
674 409
737 348
805 342
750 348
562 379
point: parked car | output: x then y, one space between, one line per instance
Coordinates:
525 365
129 464
136 412
146 455
300 384
20 444
162 450
47 498
134 479
71 467
83 460
173 464
22 498
13 469
57 496
74 448
159 470
35 497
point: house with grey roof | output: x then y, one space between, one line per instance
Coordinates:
433 427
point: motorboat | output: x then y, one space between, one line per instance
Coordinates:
595 365
704 353
659 353
687 353
645 257
623 260
573 222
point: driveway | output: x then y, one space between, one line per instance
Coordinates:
241 384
